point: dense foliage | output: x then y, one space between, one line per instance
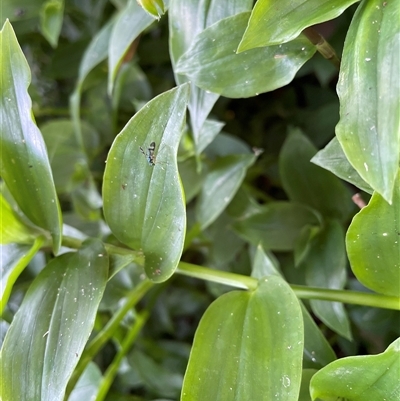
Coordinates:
200 200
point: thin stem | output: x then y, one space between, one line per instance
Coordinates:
250 283
322 46
108 331
126 345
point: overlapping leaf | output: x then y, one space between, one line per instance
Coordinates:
212 63
51 327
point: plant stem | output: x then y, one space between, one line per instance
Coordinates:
250 283
322 45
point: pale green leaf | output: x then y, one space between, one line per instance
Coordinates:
51 18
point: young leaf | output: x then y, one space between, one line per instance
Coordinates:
369 94
24 163
211 61
143 199
50 329
373 244
248 346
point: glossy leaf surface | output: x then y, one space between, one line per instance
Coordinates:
308 184
211 61
220 186
369 94
248 346
273 23
24 164
360 378
373 244
143 203
50 329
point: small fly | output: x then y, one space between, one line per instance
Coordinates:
150 154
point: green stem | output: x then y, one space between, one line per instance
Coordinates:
304 292
108 331
323 47
126 345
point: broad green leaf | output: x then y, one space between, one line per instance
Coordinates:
187 18
212 64
88 384
277 225
308 184
369 94
332 158
373 244
273 23
317 351
132 21
325 265
209 130
24 164
220 185
360 378
143 203
248 346
15 10
192 179
51 18
14 259
50 329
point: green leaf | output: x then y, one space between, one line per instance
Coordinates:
132 21
273 23
220 185
305 384
14 259
369 93
51 18
211 61
317 351
360 378
326 268
248 346
24 164
187 18
88 384
373 244
50 329
156 8
306 183
277 225
333 158
144 204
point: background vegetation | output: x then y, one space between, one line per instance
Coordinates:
229 261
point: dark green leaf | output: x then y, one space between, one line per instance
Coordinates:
144 203
50 329
309 184
24 163
248 346
211 61
277 225
220 186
